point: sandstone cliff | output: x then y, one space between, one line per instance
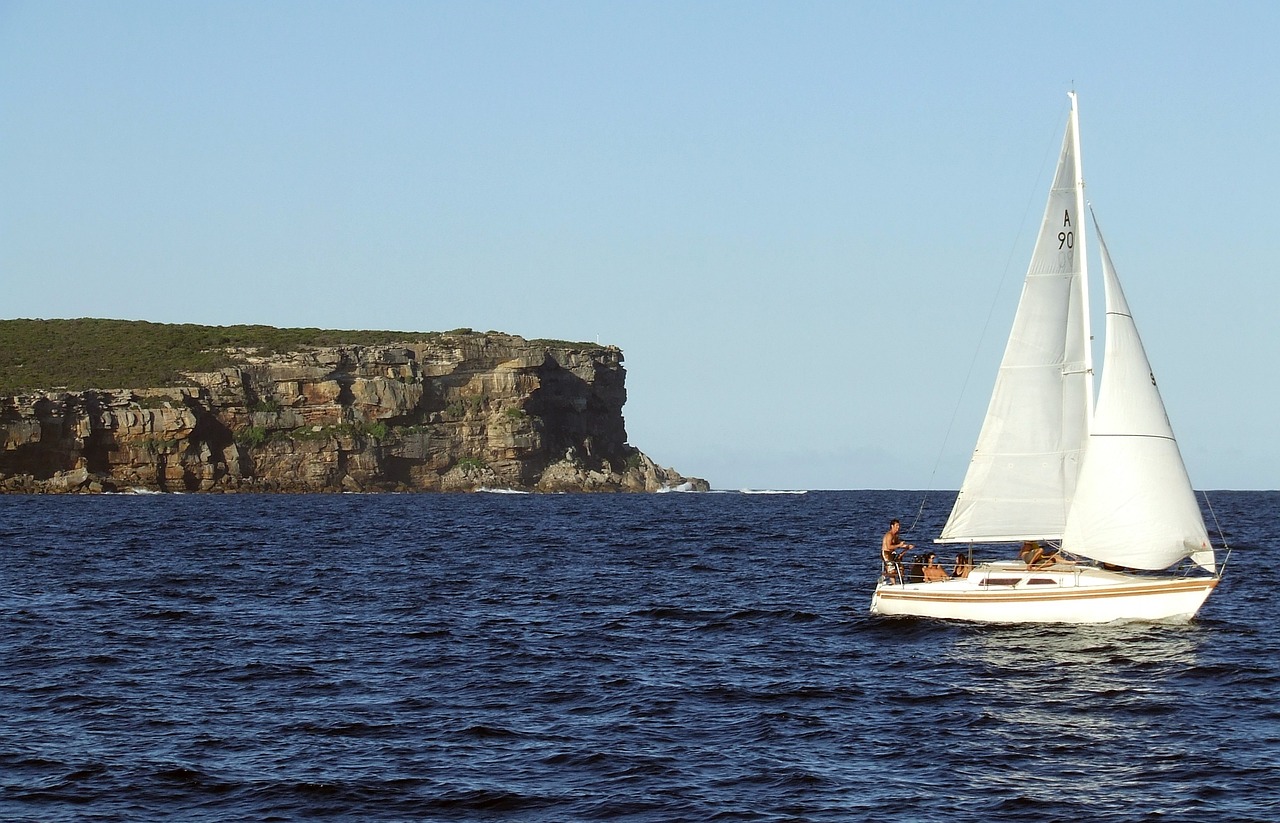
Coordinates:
461 412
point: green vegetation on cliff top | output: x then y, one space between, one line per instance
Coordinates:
105 354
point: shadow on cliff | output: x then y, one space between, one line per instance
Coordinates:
47 447
202 460
580 417
101 439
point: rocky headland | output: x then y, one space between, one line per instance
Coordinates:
457 411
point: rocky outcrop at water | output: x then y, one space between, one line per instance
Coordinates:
462 412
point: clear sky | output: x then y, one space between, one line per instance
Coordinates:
805 223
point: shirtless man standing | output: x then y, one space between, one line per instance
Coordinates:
891 550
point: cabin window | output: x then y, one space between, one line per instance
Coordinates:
1041 581
1001 581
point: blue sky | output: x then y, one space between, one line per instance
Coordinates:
805 224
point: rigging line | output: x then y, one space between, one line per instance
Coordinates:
920 511
1032 198
1216 524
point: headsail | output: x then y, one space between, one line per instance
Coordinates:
1134 505
1023 472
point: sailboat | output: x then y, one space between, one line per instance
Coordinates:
1096 494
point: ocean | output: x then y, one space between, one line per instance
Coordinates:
672 657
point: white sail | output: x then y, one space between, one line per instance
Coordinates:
1022 475
1134 505
1108 482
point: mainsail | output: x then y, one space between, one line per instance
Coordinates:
1022 475
1134 505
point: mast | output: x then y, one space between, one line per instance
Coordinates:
1086 328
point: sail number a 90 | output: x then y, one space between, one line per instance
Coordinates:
1067 242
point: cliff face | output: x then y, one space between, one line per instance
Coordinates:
463 412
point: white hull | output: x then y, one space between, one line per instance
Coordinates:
1009 593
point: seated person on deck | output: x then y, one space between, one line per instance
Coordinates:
932 571
1033 554
962 566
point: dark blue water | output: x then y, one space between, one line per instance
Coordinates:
613 657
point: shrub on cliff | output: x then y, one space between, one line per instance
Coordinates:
90 353
252 436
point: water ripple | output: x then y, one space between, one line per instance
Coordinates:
570 657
